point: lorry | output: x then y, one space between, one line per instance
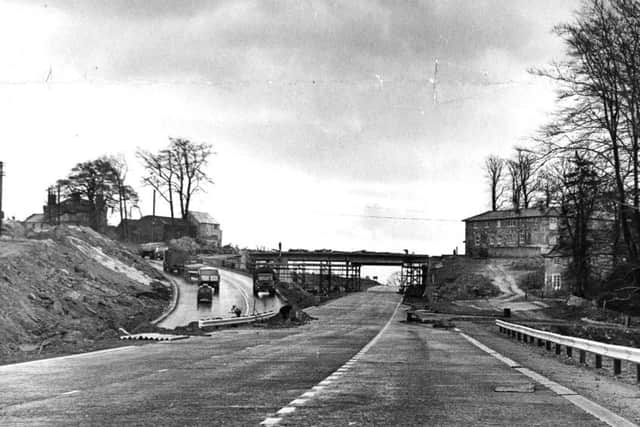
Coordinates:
174 260
209 276
205 294
264 280
192 271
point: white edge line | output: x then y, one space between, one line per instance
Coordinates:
70 356
589 406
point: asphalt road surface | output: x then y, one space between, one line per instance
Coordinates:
408 374
235 289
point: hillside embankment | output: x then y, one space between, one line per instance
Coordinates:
69 289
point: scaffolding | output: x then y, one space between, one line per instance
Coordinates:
326 271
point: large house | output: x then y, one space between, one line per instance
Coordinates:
512 233
71 211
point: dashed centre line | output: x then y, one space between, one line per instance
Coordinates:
304 397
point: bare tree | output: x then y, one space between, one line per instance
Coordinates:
514 176
190 161
160 174
125 193
494 166
179 170
524 164
597 88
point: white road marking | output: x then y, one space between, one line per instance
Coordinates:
309 394
71 356
270 421
600 412
71 392
286 410
162 370
337 373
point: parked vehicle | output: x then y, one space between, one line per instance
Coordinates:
264 280
209 276
205 294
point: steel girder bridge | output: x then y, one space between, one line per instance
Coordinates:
324 270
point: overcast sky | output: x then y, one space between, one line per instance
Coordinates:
322 113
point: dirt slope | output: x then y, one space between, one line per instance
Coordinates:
70 289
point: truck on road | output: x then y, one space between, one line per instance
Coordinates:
264 280
209 276
174 260
205 294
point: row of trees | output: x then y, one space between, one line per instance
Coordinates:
176 172
585 159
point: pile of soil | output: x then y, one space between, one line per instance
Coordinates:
291 314
460 277
468 286
69 289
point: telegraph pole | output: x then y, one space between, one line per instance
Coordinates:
1 211
435 81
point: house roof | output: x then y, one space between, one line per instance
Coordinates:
512 213
166 220
202 217
35 218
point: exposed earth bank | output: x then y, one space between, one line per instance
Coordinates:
69 289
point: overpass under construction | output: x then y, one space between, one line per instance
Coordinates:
325 270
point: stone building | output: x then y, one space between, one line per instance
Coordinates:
601 256
512 233
198 225
208 229
151 228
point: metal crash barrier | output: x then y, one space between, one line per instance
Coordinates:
224 321
617 353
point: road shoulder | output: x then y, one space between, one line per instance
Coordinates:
615 394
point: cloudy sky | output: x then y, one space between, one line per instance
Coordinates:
323 115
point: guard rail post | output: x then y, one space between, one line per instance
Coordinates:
617 367
616 353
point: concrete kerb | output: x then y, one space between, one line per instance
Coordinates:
174 301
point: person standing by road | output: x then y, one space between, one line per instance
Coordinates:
236 310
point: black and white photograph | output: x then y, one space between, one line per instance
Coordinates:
320 213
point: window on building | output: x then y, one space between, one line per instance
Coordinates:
476 237
498 224
556 282
556 260
553 223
